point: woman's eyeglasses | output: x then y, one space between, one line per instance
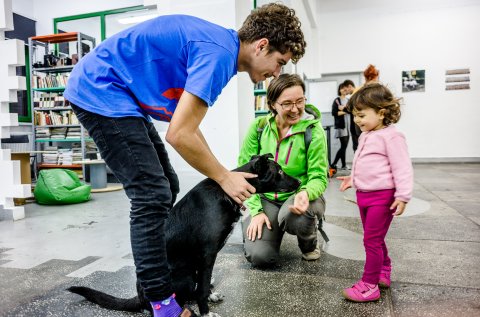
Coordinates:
288 105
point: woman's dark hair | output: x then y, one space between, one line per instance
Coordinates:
277 23
370 73
377 97
349 82
278 85
342 85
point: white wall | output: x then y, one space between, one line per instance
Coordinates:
310 64
407 35
23 7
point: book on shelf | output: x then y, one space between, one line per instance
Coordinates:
77 151
65 157
58 133
74 133
63 117
50 81
261 103
49 100
42 133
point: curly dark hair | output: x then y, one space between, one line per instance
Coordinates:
278 85
277 23
378 97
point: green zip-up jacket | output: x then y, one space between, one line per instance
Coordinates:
310 168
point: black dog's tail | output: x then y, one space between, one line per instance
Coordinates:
107 301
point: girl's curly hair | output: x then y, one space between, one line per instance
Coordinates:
378 97
277 23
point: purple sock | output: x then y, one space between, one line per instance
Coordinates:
166 308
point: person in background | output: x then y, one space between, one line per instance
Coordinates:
354 129
284 134
383 177
342 123
171 68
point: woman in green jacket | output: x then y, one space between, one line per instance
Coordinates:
293 133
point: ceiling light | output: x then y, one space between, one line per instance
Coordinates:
137 19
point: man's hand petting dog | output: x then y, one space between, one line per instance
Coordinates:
235 185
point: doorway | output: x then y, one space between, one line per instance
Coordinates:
321 92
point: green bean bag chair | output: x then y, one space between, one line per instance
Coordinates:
60 186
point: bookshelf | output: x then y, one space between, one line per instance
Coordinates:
58 135
260 93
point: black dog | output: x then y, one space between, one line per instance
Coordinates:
197 229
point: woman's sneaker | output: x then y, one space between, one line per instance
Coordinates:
384 280
313 255
362 292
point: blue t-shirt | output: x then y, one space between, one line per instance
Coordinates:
142 71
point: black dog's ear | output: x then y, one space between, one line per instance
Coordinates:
266 155
261 162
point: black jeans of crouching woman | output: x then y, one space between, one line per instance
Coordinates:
135 153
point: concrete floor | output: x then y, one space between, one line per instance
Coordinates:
435 248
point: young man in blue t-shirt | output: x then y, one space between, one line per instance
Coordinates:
171 68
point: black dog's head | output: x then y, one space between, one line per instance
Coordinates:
271 177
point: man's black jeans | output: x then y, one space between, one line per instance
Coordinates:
134 152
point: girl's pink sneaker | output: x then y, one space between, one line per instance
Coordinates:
362 292
384 280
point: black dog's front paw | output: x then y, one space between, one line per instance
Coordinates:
210 314
215 297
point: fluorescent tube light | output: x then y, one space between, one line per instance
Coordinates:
137 19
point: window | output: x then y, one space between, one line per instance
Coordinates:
101 25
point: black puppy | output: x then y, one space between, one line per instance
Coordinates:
197 229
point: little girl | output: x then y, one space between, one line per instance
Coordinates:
383 176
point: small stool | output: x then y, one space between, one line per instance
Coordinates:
98 173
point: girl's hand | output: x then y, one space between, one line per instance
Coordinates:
255 227
300 203
346 182
398 206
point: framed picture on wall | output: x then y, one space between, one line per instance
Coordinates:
457 79
413 80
